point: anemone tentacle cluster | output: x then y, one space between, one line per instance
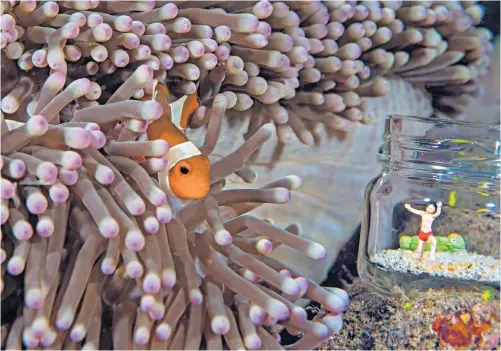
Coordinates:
298 64
88 232
94 253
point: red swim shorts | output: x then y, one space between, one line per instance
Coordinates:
424 236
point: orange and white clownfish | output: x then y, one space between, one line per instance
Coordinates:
187 172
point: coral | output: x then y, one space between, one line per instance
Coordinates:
460 329
418 320
81 220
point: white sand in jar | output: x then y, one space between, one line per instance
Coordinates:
458 265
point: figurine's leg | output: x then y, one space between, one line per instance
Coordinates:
433 248
419 250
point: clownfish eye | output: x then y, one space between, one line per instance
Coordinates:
183 168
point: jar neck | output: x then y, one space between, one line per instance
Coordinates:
441 150
400 127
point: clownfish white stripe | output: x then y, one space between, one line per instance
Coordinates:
175 202
181 152
176 107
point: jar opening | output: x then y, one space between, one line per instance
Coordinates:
451 149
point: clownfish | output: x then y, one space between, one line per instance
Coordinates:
187 172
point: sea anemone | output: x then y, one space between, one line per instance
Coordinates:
298 64
81 224
94 253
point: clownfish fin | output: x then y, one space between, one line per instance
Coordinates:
159 127
167 126
180 111
175 118
161 94
189 107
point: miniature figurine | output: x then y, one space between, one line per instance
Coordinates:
425 231
451 243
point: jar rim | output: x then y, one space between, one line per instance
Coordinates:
453 148
436 170
447 121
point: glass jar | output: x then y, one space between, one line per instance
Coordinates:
431 217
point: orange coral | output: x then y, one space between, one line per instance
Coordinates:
459 330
